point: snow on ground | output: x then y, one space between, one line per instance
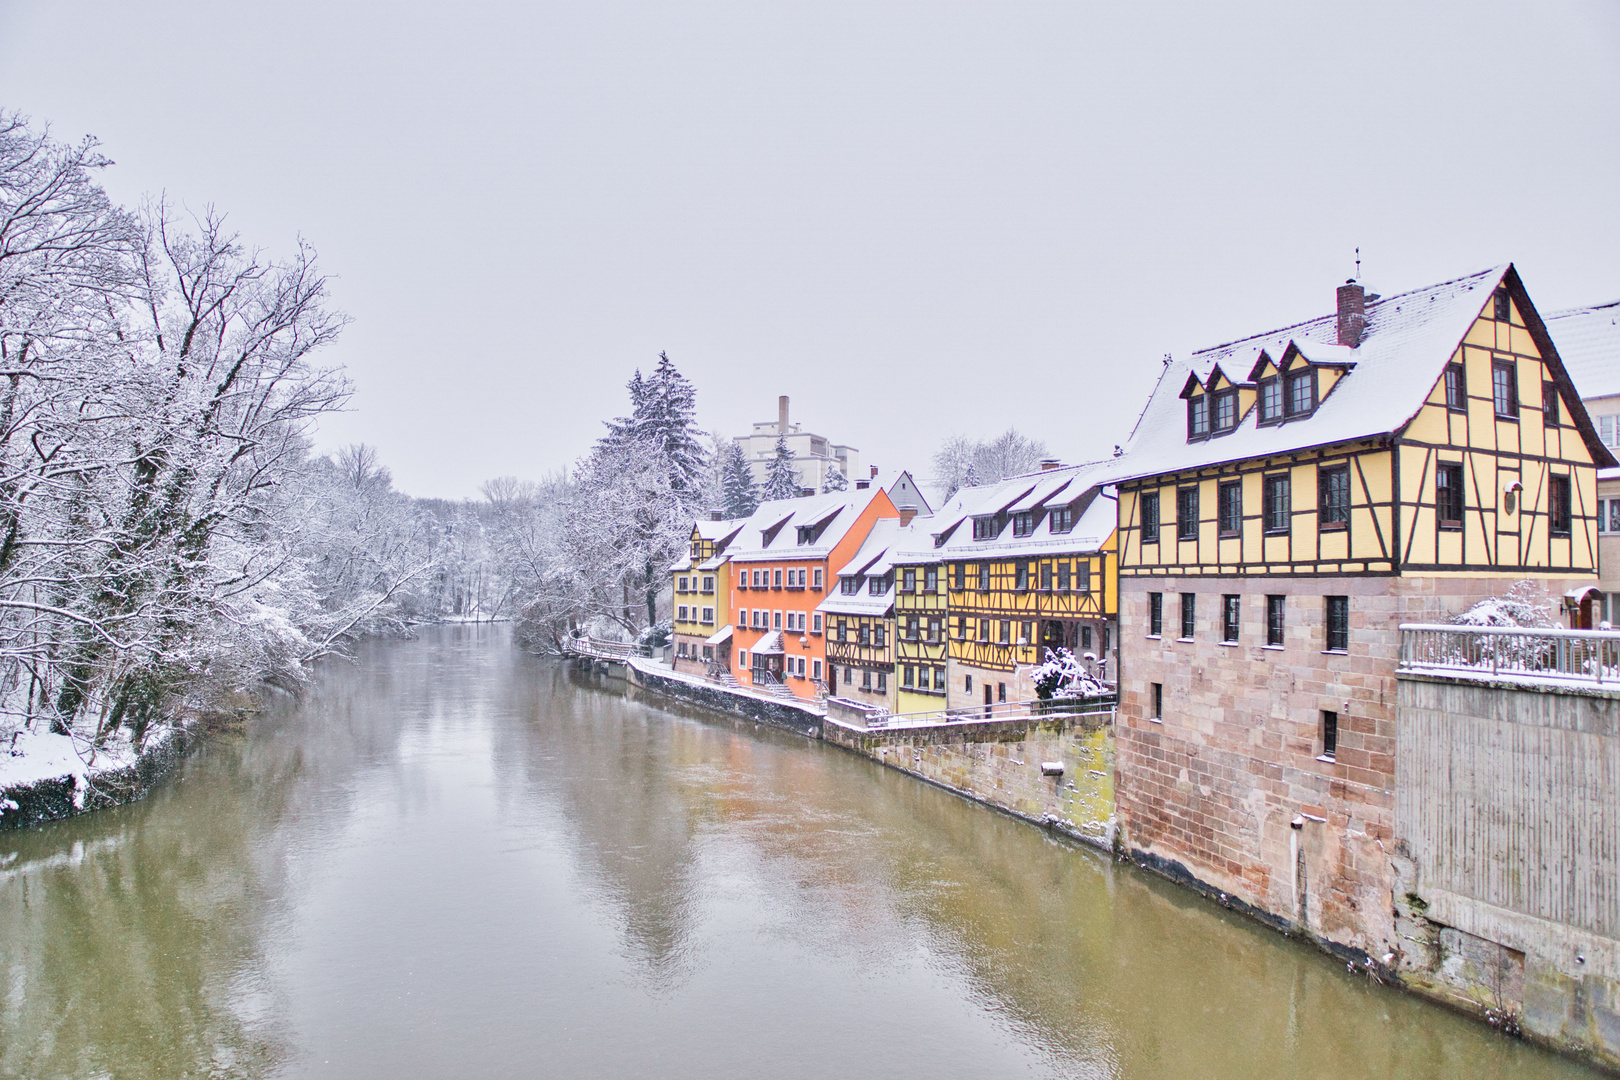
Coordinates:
36 756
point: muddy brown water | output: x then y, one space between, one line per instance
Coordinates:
455 860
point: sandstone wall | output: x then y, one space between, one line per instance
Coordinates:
999 763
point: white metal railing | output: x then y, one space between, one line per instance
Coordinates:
1590 657
1052 709
603 650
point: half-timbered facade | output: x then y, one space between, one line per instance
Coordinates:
921 621
859 618
1286 502
1028 564
701 585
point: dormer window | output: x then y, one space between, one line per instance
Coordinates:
1225 409
1062 519
877 586
984 528
1271 400
1198 418
1301 394
1024 523
850 585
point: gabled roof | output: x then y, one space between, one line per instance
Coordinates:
1588 340
1408 339
1077 485
833 514
718 531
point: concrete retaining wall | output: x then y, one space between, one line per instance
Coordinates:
1507 817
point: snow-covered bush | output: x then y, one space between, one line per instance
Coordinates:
1522 605
1061 676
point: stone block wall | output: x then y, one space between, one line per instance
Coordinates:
999 763
1228 789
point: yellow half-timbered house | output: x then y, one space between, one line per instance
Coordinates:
702 598
921 621
1286 502
1029 565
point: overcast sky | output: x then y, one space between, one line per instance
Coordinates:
913 218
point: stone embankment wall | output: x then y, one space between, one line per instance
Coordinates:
1000 763
58 798
1507 854
804 719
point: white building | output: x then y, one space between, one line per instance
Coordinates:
813 455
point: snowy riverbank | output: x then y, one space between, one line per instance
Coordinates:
46 777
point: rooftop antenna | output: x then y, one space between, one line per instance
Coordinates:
1358 264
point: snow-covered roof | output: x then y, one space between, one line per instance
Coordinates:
1404 348
861 603
770 643
718 530
950 532
1588 340
719 636
833 514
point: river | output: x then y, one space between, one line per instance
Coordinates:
451 859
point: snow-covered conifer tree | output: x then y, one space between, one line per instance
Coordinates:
781 478
835 480
738 497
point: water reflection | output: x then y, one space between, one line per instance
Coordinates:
453 859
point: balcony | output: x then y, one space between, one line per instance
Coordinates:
1546 656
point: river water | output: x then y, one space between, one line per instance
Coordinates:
451 859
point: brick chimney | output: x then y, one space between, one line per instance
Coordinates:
1048 464
907 512
782 414
1352 313
874 472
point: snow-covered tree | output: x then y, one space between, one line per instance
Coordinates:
738 497
963 462
1522 605
1061 676
835 479
662 411
781 478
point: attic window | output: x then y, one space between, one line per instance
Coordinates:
1198 418
1504 307
1271 400
1062 519
1456 389
807 534
1549 404
850 584
984 528
1225 410
1024 523
1301 394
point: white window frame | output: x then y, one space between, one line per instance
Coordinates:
815 623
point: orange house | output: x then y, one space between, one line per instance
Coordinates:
782 564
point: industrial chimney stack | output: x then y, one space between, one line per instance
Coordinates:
782 415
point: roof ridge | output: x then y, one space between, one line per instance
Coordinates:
1582 309
1382 300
